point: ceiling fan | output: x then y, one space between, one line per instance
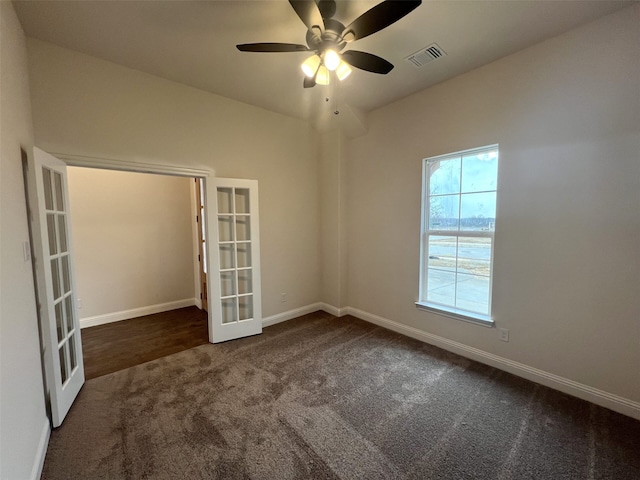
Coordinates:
327 37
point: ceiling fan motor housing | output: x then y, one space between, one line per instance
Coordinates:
330 38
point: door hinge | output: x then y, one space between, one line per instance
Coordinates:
199 258
197 219
200 295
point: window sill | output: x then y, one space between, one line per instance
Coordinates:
456 314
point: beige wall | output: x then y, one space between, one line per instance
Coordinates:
132 237
333 248
566 114
23 423
86 106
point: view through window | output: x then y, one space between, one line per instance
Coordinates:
459 215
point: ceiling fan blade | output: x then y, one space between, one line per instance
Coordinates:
309 13
379 17
309 82
367 61
272 47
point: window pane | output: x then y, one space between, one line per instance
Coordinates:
443 212
63 363
478 211
59 192
246 307
225 228
442 252
48 191
225 200
441 287
229 310
244 255
243 231
62 230
68 306
474 255
245 282
60 322
480 172
242 200
444 176
72 352
473 293
55 278
51 231
66 274
227 256
227 284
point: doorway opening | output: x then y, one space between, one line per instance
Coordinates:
140 261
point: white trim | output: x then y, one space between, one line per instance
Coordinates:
338 312
195 226
290 314
456 314
130 166
599 397
135 312
298 312
38 462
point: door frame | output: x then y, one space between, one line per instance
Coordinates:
139 167
201 271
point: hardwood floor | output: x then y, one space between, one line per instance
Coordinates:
119 345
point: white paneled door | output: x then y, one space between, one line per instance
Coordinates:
56 288
235 300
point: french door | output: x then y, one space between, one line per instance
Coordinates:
235 294
56 288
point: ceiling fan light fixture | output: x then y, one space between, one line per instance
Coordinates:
323 76
343 70
310 66
331 59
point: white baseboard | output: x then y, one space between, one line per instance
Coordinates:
338 312
599 397
38 463
290 314
297 312
135 312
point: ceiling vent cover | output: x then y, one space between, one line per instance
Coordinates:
425 55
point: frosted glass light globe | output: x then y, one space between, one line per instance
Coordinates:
331 60
310 66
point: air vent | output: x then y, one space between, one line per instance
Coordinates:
425 55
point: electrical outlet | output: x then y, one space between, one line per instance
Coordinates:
503 334
79 304
283 297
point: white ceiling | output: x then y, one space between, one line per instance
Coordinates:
194 43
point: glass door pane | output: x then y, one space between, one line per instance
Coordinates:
234 244
236 309
53 253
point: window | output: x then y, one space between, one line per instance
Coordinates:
458 224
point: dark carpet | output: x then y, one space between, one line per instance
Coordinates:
334 398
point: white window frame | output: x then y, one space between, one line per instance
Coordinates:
422 303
